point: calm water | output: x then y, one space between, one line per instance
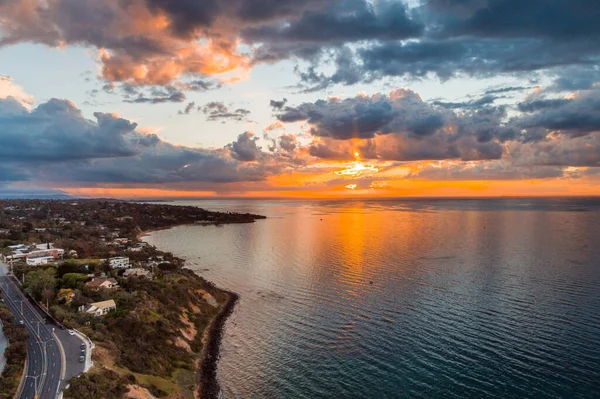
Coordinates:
395 299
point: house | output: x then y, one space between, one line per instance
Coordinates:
119 262
98 283
99 308
135 248
137 272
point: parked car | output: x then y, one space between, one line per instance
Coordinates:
71 332
81 359
82 347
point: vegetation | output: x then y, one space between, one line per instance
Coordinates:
105 384
155 337
15 354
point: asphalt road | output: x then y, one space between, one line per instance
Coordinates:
45 361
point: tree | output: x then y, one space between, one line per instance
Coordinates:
38 281
72 280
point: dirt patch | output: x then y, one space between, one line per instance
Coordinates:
180 342
190 332
138 392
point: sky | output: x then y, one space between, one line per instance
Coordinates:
299 98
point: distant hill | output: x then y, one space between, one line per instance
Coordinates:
15 193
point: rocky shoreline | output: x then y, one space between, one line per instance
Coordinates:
208 385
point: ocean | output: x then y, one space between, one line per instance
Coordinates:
418 298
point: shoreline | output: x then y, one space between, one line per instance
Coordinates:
207 385
206 376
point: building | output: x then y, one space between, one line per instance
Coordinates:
98 283
39 259
137 272
99 308
119 262
34 255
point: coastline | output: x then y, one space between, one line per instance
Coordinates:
207 385
206 380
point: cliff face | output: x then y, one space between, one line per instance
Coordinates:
155 339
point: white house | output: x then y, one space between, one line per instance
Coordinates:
99 308
40 259
119 262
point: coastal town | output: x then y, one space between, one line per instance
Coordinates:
84 265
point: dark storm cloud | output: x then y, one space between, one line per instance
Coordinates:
481 38
363 117
577 117
363 40
54 142
547 19
472 56
342 22
56 131
400 126
576 78
536 105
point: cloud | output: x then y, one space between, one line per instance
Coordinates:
9 89
177 97
55 143
400 126
245 148
507 89
485 100
578 116
188 109
218 111
343 21
491 170
57 131
278 104
288 142
160 42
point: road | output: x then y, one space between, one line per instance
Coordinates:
52 354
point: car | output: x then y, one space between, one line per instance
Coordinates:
21 322
82 353
71 332
81 359
63 327
82 347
